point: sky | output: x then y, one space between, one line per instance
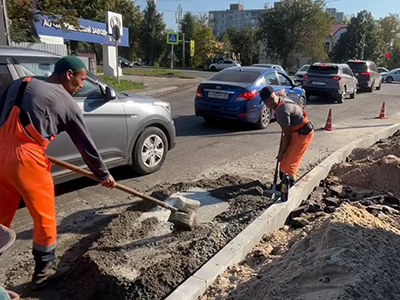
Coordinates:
379 8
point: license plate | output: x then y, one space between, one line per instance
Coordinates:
318 83
215 95
356 74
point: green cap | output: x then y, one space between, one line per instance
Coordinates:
69 63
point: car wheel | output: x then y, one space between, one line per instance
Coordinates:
380 86
389 79
353 96
302 102
213 69
264 119
342 96
150 151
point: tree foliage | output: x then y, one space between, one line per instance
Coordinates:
205 43
362 29
296 26
246 42
153 33
188 27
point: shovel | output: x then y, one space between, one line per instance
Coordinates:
183 217
273 191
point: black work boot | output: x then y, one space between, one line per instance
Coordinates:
43 273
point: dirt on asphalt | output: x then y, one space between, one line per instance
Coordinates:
138 258
342 243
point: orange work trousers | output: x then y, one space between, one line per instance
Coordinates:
25 172
294 153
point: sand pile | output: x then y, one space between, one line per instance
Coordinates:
350 255
377 167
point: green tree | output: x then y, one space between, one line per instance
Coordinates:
205 44
362 40
246 42
21 15
188 27
389 30
296 26
153 37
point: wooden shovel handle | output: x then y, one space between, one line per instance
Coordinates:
118 186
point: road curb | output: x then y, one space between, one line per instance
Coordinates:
271 220
167 90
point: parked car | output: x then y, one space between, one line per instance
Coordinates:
367 74
393 75
270 66
223 64
334 80
234 94
383 70
298 77
128 129
124 63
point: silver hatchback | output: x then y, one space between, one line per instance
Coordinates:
127 129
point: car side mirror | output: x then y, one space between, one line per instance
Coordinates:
110 94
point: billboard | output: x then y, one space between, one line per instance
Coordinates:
87 31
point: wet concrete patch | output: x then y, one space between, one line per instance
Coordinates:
146 258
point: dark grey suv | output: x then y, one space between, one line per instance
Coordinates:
367 74
127 129
334 80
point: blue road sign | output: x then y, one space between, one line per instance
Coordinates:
172 38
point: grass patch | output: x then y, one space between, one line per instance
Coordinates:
124 85
156 73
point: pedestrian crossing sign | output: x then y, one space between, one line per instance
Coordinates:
172 38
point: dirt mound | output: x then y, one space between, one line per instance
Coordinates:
147 259
377 167
351 255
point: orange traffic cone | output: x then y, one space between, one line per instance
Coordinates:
328 126
382 116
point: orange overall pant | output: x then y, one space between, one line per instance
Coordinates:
296 149
25 172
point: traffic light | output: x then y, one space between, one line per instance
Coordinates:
387 56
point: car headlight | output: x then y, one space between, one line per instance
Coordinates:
166 105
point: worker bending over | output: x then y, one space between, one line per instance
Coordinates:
32 112
297 133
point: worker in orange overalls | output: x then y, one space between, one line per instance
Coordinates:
297 134
32 112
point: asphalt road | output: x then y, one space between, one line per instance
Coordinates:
202 151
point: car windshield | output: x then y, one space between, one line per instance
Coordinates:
323 70
358 67
236 76
304 69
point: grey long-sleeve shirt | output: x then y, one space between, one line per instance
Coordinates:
53 110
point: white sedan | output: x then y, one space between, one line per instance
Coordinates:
393 75
223 64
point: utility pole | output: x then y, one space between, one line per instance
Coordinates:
251 41
6 24
183 50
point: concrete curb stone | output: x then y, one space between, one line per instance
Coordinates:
271 220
